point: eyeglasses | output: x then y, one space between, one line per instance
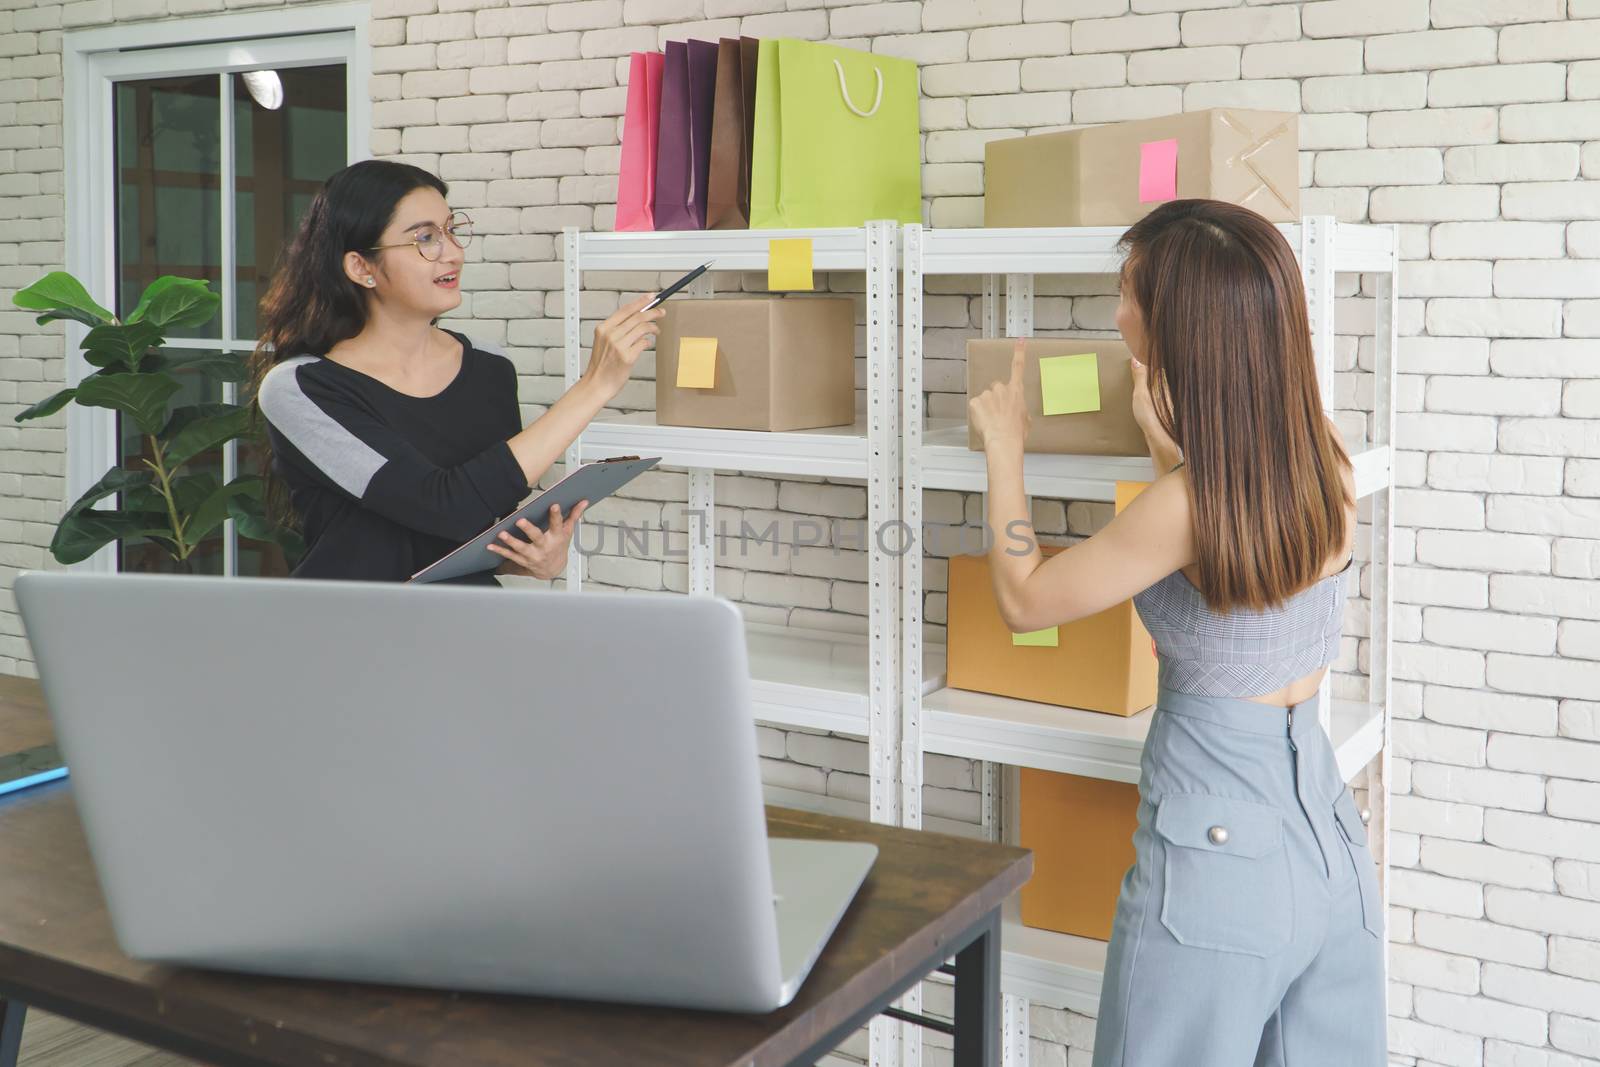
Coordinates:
429 239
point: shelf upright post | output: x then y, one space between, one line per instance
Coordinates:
1019 323
702 494
885 541
1381 592
911 569
883 534
992 822
572 285
1317 248
699 518
1014 1036
1019 305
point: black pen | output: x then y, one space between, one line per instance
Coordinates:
679 284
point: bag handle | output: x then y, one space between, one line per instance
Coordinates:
844 91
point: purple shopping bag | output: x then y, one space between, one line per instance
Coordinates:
683 158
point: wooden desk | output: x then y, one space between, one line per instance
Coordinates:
928 898
23 722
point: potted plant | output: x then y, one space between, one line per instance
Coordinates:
160 501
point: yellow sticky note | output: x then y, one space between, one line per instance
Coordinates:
1070 384
1048 638
789 264
1126 491
697 363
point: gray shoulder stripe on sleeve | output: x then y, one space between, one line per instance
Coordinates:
337 452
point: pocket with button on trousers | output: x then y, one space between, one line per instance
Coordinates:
1227 881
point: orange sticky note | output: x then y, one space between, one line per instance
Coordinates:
1046 638
789 264
1126 491
697 363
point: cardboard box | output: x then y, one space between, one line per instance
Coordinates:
1109 431
1105 662
766 363
1113 175
1081 834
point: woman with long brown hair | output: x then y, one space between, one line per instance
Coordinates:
1249 929
397 440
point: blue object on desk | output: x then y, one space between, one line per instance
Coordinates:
30 767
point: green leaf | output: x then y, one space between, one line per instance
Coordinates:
204 434
85 317
224 367
111 345
171 301
48 406
219 505
250 520
142 396
192 490
61 296
144 498
151 291
183 416
81 536
117 480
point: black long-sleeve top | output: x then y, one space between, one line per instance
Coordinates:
385 483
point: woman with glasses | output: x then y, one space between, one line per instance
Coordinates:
396 440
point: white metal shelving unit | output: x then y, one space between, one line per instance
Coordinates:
799 678
1039 966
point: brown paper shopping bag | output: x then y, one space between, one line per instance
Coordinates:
732 120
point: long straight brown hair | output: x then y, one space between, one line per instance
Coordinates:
1234 382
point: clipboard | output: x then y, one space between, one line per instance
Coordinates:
592 482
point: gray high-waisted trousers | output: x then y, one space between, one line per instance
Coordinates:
1249 929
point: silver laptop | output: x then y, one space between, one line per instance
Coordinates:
486 789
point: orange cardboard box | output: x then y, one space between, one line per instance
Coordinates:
1105 662
1081 834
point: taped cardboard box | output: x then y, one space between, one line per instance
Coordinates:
1105 662
1081 834
784 363
1064 372
1114 175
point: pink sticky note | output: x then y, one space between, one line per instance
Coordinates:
1158 171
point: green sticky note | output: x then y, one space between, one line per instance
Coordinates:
697 363
1049 638
789 261
1070 384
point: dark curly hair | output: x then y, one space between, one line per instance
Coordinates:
312 304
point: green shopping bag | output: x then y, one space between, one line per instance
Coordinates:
836 138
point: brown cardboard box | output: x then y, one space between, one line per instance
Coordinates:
784 363
1111 431
1090 176
1105 662
1081 834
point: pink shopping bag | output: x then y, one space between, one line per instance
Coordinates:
636 182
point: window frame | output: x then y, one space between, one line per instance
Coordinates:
93 62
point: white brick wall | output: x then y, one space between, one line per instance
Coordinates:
1474 124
